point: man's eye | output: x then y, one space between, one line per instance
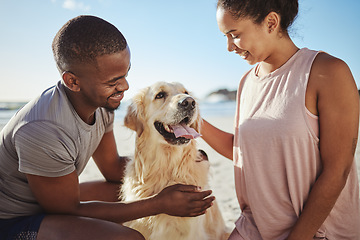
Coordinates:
113 83
160 95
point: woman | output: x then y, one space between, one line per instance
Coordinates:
296 130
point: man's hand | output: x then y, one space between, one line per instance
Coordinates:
184 200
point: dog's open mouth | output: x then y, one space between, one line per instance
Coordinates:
176 134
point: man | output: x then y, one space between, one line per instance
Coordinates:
47 144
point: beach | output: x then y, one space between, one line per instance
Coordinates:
222 176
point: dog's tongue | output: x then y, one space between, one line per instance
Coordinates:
182 130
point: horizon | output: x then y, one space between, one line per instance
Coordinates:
169 41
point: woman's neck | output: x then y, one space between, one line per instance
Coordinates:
281 54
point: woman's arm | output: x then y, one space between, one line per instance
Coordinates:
338 109
220 141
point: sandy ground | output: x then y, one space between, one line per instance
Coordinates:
222 176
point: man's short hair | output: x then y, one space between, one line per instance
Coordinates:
83 39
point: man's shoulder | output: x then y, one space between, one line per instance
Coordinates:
50 108
51 105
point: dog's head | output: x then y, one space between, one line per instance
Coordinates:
164 110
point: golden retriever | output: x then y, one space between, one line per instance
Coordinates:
157 113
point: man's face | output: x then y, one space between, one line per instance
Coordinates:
104 85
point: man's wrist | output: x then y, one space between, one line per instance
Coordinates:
156 204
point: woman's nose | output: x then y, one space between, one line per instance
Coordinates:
230 45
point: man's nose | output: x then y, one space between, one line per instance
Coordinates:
123 85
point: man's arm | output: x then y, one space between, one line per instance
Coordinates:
61 195
112 167
106 157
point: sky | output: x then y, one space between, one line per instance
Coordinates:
169 40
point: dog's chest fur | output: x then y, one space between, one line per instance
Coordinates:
153 169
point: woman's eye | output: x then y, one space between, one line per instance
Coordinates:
160 95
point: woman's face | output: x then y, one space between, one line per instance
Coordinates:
251 41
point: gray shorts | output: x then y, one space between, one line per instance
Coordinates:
20 228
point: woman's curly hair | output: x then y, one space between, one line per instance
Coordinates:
259 9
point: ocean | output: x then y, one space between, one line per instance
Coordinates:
5 116
207 109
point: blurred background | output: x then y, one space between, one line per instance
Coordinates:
169 41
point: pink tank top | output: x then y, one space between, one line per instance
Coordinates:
277 158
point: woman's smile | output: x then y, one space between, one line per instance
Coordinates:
242 53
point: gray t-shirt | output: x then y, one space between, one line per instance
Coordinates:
46 138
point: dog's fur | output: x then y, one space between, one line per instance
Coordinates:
160 162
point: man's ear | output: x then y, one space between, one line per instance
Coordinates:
71 81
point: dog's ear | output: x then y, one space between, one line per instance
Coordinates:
134 116
131 119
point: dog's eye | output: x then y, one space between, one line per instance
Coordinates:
186 92
160 95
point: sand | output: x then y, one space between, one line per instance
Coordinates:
222 175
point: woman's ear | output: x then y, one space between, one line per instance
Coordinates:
71 81
272 21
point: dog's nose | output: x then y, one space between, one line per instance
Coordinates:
187 103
